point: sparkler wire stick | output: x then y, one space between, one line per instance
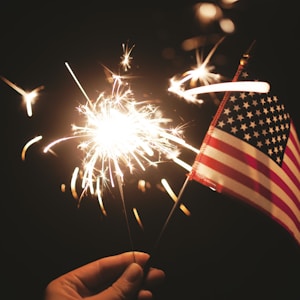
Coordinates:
242 64
120 183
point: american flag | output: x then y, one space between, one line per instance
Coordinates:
251 152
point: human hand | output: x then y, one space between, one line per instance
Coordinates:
115 277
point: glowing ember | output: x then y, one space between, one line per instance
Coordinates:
28 144
126 58
137 217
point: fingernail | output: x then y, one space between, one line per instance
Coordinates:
133 272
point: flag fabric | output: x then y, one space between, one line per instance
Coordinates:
251 152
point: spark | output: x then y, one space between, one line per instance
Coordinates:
143 185
126 58
63 187
173 196
28 97
28 144
73 182
137 217
183 164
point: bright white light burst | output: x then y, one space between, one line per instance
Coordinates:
120 134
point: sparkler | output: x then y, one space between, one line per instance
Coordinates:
210 81
119 134
202 73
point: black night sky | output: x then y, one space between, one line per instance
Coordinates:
225 250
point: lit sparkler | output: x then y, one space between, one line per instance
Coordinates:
185 87
202 73
120 134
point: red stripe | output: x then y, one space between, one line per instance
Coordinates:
244 157
250 183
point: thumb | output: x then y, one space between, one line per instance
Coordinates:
127 285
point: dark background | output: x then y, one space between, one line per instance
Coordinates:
225 249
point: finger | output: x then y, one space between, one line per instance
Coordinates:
125 287
144 295
154 277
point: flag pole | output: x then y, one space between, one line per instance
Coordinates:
242 64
